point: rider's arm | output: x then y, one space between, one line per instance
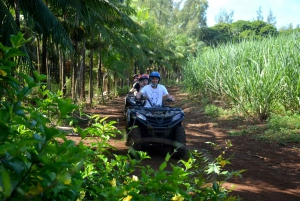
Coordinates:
135 87
169 97
139 95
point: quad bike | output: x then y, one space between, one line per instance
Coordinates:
155 125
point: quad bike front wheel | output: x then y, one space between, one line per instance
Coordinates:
125 113
134 141
180 142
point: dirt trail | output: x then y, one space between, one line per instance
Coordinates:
273 171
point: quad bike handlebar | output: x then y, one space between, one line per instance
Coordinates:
133 101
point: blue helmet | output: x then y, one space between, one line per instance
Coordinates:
154 74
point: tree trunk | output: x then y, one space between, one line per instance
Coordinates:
115 81
17 12
91 71
107 83
57 67
135 68
38 54
100 76
74 72
44 55
99 68
75 64
77 76
64 74
63 71
60 57
48 67
82 72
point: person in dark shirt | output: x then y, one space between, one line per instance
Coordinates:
136 85
143 81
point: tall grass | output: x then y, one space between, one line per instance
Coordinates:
256 77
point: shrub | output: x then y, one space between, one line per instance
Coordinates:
212 110
123 91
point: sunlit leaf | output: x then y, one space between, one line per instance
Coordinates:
163 166
6 182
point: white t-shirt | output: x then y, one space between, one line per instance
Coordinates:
154 95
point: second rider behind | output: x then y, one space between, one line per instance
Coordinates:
154 92
143 81
136 85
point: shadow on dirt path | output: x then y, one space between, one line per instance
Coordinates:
272 171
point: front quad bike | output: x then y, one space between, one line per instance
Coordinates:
155 125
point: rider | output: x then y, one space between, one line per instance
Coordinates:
143 81
140 82
136 85
154 92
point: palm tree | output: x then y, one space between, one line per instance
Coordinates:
114 33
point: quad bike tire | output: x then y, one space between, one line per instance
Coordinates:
135 141
125 113
180 142
129 121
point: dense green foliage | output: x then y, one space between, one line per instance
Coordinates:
236 31
88 48
257 77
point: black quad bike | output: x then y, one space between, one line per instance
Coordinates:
155 125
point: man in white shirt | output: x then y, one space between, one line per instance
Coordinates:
154 92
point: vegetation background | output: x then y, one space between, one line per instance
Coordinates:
58 55
91 49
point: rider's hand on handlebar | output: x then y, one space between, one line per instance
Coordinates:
171 99
143 97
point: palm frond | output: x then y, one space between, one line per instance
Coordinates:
8 25
42 16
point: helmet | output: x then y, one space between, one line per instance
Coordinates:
155 74
136 75
144 76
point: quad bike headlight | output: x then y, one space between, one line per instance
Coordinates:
132 101
139 115
176 117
